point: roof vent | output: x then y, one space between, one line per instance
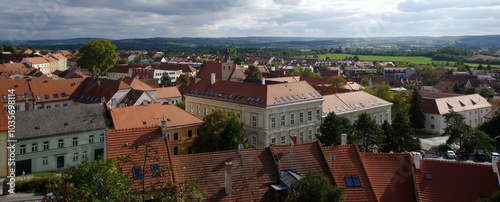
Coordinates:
66 124
168 119
37 127
333 157
144 123
15 86
428 176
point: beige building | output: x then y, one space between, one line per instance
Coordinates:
270 113
351 104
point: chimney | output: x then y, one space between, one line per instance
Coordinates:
375 149
212 78
343 139
494 161
145 102
416 158
228 183
263 81
163 127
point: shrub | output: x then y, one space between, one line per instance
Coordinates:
37 184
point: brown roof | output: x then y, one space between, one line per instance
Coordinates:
93 89
167 92
457 102
345 161
208 68
9 69
20 86
131 143
151 115
439 180
390 176
255 93
51 90
37 60
137 84
184 68
120 68
3 120
253 170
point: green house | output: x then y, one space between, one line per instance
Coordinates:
54 139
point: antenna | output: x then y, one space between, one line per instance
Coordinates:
241 147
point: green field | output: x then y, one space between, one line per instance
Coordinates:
410 59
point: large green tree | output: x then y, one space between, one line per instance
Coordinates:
332 128
99 180
315 187
98 56
400 136
165 81
306 72
456 128
209 136
336 81
367 132
253 72
382 91
416 111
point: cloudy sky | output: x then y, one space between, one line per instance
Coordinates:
113 19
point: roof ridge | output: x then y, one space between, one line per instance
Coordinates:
459 162
129 129
365 171
325 158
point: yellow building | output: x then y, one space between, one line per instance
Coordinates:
270 113
180 126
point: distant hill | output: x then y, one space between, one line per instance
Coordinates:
199 43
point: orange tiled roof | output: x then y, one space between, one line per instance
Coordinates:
439 180
254 93
346 162
131 143
9 69
167 92
51 90
151 115
137 84
37 60
3 120
390 176
253 170
58 56
21 87
208 68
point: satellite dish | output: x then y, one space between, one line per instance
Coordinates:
241 147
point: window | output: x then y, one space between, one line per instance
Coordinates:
352 182
101 137
176 150
60 143
137 172
292 119
432 126
254 141
283 140
47 107
91 139
301 117
273 140
47 96
205 111
34 147
254 121
191 109
85 155
432 117
190 133
318 114
75 156
176 136
75 141
190 150
273 122
45 160
309 116
309 135
155 170
301 137
45 145
22 149
282 120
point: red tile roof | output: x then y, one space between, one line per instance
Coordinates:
254 93
20 86
253 170
37 60
137 84
61 89
93 89
346 162
151 115
120 69
208 68
167 92
390 176
131 143
439 180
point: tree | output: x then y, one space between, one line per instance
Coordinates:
456 128
479 140
98 180
367 132
400 103
401 137
336 81
209 136
181 104
332 128
365 82
491 126
232 135
165 81
493 198
486 92
253 72
315 187
469 90
382 91
416 111
185 79
98 56
356 58
306 72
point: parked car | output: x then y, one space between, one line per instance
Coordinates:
480 156
422 152
450 154
492 155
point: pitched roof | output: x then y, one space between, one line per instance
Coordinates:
439 180
390 176
93 89
253 93
137 84
48 89
60 120
37 60
9 69
151 115
458 103
167 92
253 170
132 143
208 68
300 158
345 161
341 103
21 87
183 68
120 69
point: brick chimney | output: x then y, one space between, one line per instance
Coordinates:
343 139
212 78
293 138
164 128
375 149
228 183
